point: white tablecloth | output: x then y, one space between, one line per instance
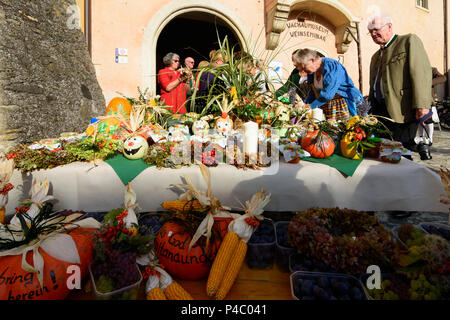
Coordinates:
375 186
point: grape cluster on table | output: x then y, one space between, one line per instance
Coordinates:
437 230
261 246
323 287
120 269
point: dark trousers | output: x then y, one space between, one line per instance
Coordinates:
402 132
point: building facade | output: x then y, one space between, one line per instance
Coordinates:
128 38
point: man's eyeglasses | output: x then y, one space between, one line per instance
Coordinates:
376 29
176 60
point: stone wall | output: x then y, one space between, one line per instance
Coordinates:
47 80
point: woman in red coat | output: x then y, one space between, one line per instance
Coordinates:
173 83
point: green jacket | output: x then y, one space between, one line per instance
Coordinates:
293 80
406 77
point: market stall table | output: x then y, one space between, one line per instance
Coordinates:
251 284
375 186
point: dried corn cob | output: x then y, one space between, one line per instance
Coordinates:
221 262
175 291
232 271
182 205
156 294
2 214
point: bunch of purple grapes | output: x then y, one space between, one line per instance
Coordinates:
122 268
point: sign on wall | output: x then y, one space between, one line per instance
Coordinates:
307 29
121 55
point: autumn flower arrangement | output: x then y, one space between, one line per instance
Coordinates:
358 135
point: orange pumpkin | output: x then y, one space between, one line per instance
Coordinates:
318 144
171 249
119 105
17 284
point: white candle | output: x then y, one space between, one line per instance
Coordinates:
250 137
317 114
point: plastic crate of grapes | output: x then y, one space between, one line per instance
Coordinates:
440 229
126 293
283 248
326 286
261 246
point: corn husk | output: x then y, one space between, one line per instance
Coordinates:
39 195
253 209
206 199
6 171
130 221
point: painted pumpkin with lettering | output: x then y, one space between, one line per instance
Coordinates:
119 105
171 249
18 284
318 143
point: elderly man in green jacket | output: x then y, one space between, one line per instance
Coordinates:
400 80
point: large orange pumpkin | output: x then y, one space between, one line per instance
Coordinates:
119 105
318 144
171 249
17 284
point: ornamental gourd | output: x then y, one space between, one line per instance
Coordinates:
135 147
347 152
119 105
171 249
224 124
106 126
318 144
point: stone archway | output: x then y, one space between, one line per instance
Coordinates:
171 11
335 12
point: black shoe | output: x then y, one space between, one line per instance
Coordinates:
424 151
399 214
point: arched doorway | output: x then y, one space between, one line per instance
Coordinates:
193 34
193 10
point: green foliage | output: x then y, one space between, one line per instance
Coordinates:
88 149
26 159
160 154
113 236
